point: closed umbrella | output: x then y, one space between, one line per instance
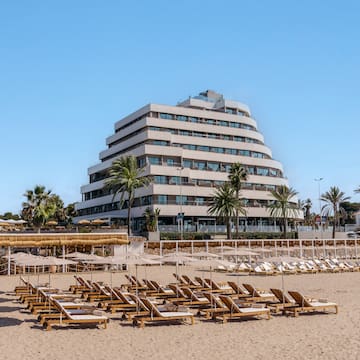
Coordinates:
281 259
211 264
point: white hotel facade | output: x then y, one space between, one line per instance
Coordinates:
187 150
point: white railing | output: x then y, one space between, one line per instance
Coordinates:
304 248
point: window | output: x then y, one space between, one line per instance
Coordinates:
262 171
193 119
154 160
174 180
210 121
189 146
166 116
181 200
159 142
181 117
141 162
184 132
200 200
187 163
162 199
244 152
203 148
160 179
170 162
213 166
201 165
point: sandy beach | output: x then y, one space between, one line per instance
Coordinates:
306 337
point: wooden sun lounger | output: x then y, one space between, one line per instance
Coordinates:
257 293
68 318
309 305
282 302
235 311
156 315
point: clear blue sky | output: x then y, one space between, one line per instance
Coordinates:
70 69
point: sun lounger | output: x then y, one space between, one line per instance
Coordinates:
282 302
304 304
156 315
236 311
69 318
258 293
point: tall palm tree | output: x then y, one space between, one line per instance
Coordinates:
306 207
282 207
237 175
333 198
357 190
38 207
224 204
125 178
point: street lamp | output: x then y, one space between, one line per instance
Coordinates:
318 180
181 218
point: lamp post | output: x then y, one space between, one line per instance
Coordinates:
318 180
181 204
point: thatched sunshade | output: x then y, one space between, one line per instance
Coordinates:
99 221
60 239
84 222
52 223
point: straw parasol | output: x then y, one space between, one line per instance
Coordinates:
84 222
52 223
98 222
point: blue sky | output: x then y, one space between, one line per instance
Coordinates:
70 69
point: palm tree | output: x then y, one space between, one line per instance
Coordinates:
306 207
357 191
224 204
333 198
237 175
39 207
282 207
125 178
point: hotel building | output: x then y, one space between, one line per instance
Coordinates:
187 150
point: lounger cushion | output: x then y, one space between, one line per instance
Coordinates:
175 314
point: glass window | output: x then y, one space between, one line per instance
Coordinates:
203 148
159 142
166 116
198 134
181 200
154 160
223 123
210 121
160 179
193 119
212 136
244 152
174 180
184 132
162 199
201 165
213 166
200 200
187 163
170 162
262 171
181 117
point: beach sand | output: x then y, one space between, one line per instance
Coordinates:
320 336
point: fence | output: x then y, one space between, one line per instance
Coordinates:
304 248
